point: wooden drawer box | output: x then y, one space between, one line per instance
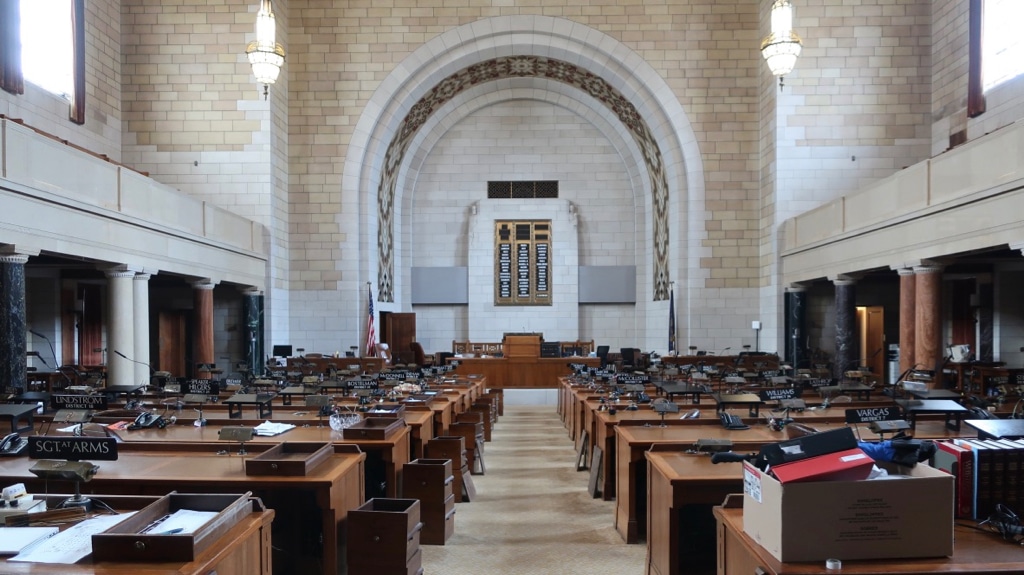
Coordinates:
438 526
429 480
373 428
384 532
289 458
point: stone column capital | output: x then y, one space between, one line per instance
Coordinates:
13 258
250 291
796 288
904 271
927 269
844 279
203 284
143 276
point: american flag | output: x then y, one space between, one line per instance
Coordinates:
371 335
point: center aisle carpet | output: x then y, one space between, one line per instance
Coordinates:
532 513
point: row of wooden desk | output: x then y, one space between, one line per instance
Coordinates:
308 529
663 492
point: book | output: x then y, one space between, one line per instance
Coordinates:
969 469
983 471
959 462
1011 483
14 539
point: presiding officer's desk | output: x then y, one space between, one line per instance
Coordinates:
310 510
974 551
245 549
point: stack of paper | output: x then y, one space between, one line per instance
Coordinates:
268 428
14 539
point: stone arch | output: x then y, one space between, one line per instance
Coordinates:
504 48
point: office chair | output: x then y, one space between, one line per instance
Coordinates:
602 353
419 358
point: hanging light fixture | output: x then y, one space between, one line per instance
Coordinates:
265 54
781 48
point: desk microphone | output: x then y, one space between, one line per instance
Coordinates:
48 342
152 371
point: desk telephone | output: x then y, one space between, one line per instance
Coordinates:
13 444
148 419
730 421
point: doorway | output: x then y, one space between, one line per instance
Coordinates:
871 333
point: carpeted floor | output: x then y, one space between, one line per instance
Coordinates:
532 514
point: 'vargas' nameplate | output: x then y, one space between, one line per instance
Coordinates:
72 448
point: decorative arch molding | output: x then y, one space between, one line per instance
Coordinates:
500 49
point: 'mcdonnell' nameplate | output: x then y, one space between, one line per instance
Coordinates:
72 448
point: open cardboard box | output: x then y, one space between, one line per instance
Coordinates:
903 517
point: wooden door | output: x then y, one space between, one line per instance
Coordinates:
872 338
171 329
398 330
90 335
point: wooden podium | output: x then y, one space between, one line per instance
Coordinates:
521 345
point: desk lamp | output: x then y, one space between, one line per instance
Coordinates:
322 403
663 407
200 399
59 459
239 433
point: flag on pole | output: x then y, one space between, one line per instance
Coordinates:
371 335
671 320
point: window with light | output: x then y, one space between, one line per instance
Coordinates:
1002 54
47 49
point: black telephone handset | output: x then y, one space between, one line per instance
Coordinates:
12 444
148 419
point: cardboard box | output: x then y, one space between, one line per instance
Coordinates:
876 519
846 465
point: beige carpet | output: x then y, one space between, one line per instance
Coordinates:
532 514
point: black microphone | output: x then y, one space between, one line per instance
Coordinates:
48 342
728 457
152 371
36 354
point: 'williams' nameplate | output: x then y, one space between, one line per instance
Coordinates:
72 448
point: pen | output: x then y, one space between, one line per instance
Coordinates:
170 531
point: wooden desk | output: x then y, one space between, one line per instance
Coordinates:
973 552
632 441
384 457
682 488
310 510
16 412
243 550
521 372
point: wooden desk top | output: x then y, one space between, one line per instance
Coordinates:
191 468
640 435
974 551
173 434
204 563
679 466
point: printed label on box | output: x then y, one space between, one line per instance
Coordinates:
752 483
853 457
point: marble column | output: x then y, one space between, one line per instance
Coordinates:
847 345
796 326
13 374
120 327
252 312
202 324
140 304
908 313
928 316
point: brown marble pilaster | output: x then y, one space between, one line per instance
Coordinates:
202 324
928 317
908 313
